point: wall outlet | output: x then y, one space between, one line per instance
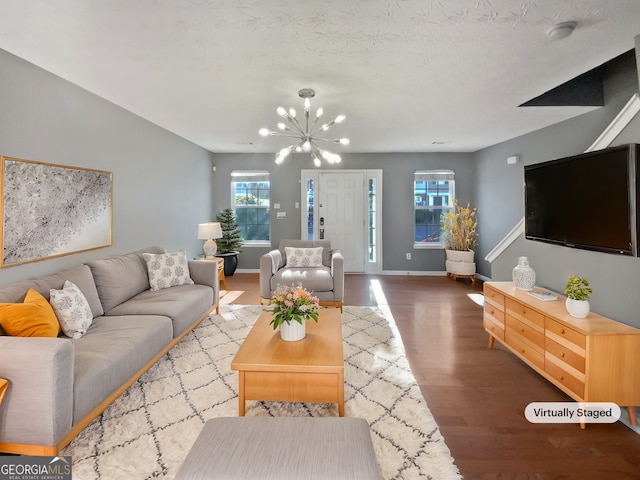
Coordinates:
408 256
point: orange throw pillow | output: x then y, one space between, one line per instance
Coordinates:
33 318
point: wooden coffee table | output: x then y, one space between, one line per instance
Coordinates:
309 370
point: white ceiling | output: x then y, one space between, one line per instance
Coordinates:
411 75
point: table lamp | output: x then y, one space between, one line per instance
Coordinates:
209 231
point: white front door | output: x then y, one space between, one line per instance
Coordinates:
341 216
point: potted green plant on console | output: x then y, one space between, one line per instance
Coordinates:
578 292
230 242
459 229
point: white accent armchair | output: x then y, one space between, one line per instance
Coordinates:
326 280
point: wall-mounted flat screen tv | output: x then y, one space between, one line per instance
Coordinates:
585 201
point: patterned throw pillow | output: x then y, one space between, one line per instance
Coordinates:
72 309
303 257
167 270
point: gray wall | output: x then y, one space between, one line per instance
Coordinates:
500 203
397 198
162 183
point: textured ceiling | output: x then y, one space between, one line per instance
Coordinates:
411 75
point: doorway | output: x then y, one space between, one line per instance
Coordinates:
344 206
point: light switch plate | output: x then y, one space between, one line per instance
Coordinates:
281 214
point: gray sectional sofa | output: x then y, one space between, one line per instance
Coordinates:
58 386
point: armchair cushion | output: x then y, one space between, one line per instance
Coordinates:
314 279
303 257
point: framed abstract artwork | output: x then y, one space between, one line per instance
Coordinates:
53 210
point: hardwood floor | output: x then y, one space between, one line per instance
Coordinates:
476 395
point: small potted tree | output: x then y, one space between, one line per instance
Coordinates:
578 292
230 242
459 229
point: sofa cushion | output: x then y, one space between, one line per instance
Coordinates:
82 277
72 309
32 318
119 278
112 350
303 257
314 279
183 304
167 270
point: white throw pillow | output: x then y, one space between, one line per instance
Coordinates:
72 309
303 257
167 270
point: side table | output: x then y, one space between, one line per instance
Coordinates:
221 276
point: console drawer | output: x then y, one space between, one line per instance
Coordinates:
565 354
494 328
566 333
532 333
493 298
525 348
564 377
522 312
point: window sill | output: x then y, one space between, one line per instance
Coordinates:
256 244
428 246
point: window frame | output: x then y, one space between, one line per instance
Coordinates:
251 176
432 175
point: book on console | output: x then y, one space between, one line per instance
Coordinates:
543 294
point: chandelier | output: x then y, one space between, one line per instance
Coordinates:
305 132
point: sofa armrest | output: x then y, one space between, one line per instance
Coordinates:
38 404
205 272
269 265
337 272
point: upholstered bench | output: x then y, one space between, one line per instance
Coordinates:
282 448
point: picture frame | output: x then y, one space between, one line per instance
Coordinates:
49 210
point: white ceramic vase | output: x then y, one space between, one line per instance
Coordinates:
524 277
578 308
292 331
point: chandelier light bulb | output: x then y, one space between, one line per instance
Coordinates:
285 152
305 131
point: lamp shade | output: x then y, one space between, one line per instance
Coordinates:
209 230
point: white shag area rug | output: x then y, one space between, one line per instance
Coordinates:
149 430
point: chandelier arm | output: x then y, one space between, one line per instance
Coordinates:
330 140
296 124
278 134
296 127
317 147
